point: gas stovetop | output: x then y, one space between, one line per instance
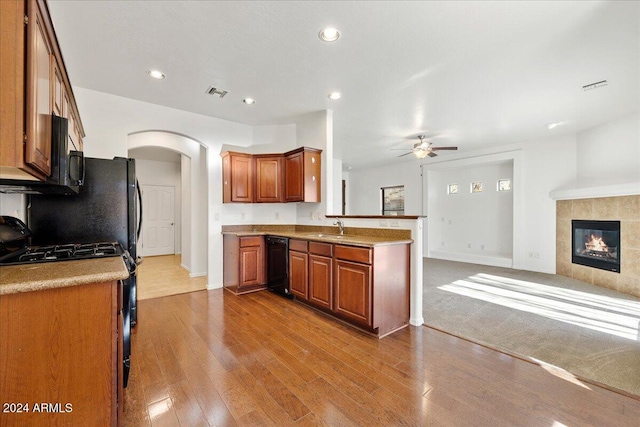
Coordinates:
35 254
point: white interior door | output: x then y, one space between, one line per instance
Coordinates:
157 220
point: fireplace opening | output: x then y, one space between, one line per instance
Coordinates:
596 244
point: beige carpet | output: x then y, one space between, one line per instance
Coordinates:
161 276
588 331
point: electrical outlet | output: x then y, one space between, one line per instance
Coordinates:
449 222
384 223
468 245
242 216
311 215
319 216
277 215
394 223
482 247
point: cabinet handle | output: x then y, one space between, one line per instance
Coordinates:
225 182
313 178
313 160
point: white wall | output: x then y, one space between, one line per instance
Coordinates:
193 239
151 172
363 188
539 167
466 222
13 205
610 154
109 120
316 130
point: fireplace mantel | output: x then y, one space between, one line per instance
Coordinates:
593 192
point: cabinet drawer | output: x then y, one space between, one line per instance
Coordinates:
251 241
325 249
298 245
352 253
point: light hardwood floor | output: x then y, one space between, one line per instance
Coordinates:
160 276
212 358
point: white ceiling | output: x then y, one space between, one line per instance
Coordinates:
475 74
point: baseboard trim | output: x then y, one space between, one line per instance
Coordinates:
185 267
493 260
197 274
213 286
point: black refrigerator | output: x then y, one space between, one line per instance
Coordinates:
108 208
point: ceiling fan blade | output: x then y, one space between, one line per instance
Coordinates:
405 154
444 148
431 154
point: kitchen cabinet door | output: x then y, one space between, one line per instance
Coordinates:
269 179
39 92
294 188
298 274
252 267
352 287
237 177
320 281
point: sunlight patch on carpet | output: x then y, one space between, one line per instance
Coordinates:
609 315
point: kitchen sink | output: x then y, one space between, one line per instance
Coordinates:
326 236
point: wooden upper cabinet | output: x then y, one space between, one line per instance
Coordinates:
33 86
237 177
39 99
269 178
302 175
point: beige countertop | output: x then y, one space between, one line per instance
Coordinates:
47 275
346 239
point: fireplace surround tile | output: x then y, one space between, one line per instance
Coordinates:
630 234
628 285
629 208
624 208
631 262
605 208
582 273
582 209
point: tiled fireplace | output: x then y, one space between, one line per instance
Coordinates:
598 241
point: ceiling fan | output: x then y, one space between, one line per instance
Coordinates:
424 148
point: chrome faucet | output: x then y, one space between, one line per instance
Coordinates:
340 225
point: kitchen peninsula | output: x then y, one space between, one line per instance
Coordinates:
361 278
60 324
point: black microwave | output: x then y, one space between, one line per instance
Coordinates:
67 167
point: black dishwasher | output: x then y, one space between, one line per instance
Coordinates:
278 265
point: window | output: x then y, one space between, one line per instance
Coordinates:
504 185
452 189
476 187
393 200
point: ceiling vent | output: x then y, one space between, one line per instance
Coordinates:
215 91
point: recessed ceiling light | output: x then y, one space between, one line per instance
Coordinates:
249 101
157 74
553 125
335 95
329 34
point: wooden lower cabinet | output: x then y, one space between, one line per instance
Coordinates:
298 274
244 265
366 287
352 283
320 281
61 350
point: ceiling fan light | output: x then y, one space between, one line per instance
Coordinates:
421 154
